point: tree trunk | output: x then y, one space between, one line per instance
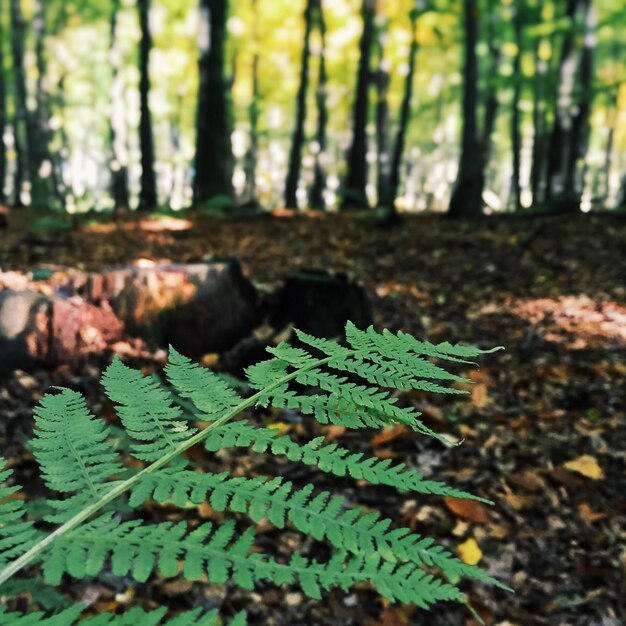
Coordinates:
148 192
213 163
297 141
516 139
539 123
559 137
579 141
253 115
355 195
466 198
117 138
24 127
319 177
382 121
403 124
3 110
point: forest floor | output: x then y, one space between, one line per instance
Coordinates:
544 427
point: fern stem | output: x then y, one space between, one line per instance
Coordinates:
121 487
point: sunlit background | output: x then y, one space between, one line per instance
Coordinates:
82 74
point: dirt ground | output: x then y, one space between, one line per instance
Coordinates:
544 426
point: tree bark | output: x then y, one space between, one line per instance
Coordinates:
117 147
382 120
355 195
516 139
213 163
297 141
3 110
148 192
253 115
403 124
579 141
24 128
466 198
319 176
558 147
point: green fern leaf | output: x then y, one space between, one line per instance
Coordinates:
17 533
330 458
146 411
73 452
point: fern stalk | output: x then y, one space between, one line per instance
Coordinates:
35 551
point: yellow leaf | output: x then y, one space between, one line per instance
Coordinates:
587 466
281 427
469 552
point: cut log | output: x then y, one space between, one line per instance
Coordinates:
198 308
36 329
320 303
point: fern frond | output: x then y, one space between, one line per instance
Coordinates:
146 410
73 452
215 553
17 533
208 391
331 458
321 516
133 617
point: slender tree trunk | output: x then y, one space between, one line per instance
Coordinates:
403 124
148 192
297 141
382 120
117 143
213 163
319 176
253 114
466 198
539 126
3 110
355 195
516 139
24 127
558 148
605 174
580 130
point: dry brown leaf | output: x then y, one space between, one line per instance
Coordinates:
527 480
468 509
588 514
480 397
587 466
389 434
333 432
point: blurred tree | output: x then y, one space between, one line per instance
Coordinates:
516 138
354 192
213 163
383 80
3 110
405 113
580 125
253 113
24 131
148 191
316 199
297 140
117 131
466 198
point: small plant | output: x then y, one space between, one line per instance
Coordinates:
334 384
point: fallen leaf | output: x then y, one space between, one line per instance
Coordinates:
389 434
333 431
480 397
468 509
588 514
586 465
469 552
